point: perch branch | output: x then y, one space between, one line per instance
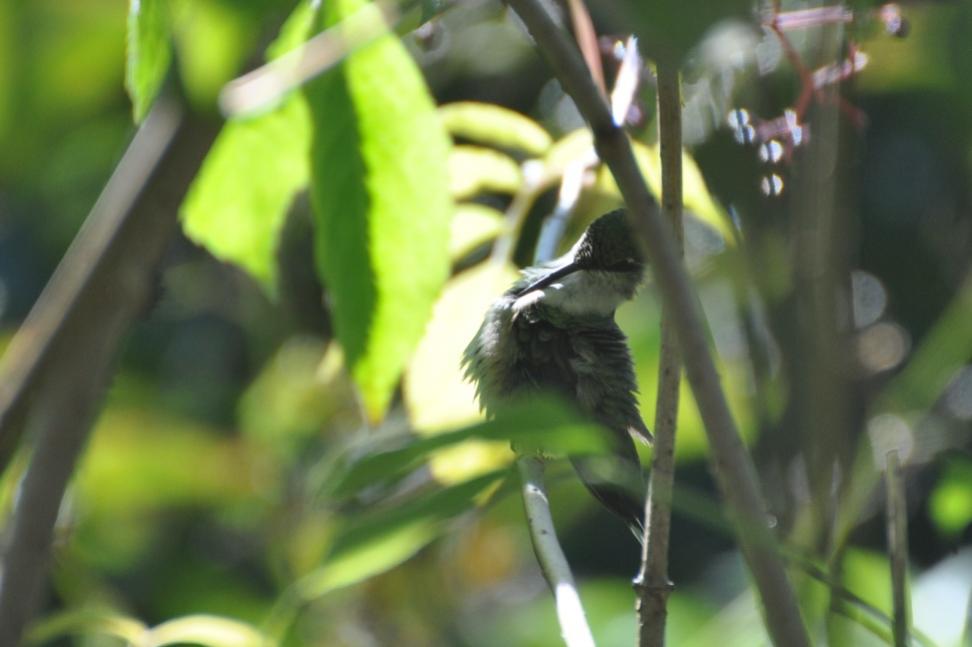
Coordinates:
731 463
570 613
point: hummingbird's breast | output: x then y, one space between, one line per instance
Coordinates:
534 343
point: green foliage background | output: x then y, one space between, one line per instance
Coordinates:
288 452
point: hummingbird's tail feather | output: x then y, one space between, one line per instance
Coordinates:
618 484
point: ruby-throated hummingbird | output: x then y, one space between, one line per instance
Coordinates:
554 330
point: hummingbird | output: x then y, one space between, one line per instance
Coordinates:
554 331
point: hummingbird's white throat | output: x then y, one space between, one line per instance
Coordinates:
581 293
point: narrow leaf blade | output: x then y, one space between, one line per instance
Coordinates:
149 53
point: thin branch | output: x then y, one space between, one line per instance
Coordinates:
60 361
570 613
731 463
652 583
897 529
586 38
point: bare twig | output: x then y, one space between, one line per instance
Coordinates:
897 528
570 613
587 42
732 465
60 360
652 583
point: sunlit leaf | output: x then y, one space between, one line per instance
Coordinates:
698 202
495 125
385 539
437 396
206 630
380 195
472 226
87 622
149 53
473 170
237 203
538 424
951 501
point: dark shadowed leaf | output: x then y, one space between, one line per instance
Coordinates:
149 53
381 202
540 424
384 539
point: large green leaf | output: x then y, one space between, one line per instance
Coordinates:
149 53
380 194
237 203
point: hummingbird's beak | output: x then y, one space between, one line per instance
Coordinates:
559 273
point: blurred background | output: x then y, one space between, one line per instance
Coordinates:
200 492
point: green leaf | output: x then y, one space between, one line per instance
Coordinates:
668 29
473 225
238 202
491 124
951 502
86 622
380 194
541 424
473 169
211 631
935 362
149 53
387 538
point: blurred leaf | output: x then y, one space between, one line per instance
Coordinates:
539 423
301 391
385 539
239 200
237 203
212 40
641 320
951 501
698 202
87 622
207 630
473 169
943 351
149 53
473 225
668 29
488 123
380 195
437 395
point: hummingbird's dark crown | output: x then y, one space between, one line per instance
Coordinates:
609 244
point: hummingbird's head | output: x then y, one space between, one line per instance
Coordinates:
608 245
603 269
